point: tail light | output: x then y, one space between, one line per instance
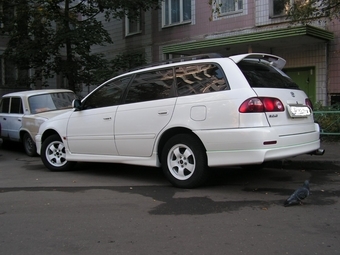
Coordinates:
309 103
261 104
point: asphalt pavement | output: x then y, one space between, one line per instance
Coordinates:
329 160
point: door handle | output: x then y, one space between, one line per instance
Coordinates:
108 118
163 112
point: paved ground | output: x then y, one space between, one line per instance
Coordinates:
120 209
330 160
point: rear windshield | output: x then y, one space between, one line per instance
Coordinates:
263 75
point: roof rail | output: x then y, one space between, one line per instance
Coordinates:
180 59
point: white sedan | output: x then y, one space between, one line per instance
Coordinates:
21 113
187 116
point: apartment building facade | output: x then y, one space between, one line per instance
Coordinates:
229 27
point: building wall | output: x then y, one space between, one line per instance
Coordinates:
313 55
206 24
257 17
334 58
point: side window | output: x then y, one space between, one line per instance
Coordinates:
200 78
150 86
107 95
4 107
176 12
16 105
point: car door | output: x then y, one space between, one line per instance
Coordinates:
147 109
11 117
90 129
4 110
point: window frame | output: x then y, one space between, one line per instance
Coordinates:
236 5
9 72
154 72
15 108
138 23
6 100
169 9
193 84
283 12
93 97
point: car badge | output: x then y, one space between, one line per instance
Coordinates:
292 93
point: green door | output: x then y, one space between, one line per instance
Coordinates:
305 78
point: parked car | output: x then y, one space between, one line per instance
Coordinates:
21 113
0 136
186 116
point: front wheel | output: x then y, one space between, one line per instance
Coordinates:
29 145
53 154
184 161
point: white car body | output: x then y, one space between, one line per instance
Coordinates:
26 119
136 133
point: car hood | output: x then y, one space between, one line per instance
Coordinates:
51 114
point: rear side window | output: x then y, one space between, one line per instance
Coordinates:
262 75
4 107
16 105
149 86
200 78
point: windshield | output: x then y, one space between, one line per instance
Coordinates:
262 75
51 102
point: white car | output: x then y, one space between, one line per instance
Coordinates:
186 116
21 113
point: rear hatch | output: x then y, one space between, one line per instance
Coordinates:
264 75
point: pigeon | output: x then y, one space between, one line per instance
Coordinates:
298 195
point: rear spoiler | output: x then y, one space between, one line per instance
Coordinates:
271 59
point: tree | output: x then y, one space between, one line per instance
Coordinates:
55 36
308 10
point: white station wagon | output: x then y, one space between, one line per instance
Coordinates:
186 116
21 113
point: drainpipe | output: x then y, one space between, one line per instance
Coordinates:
327 74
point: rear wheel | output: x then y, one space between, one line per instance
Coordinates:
53 154
184 161
29 145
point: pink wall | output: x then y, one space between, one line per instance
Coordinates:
204 25
334 58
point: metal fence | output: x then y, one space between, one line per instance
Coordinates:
329 122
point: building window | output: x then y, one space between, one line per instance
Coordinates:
8 73
132 26
230 6
280 7
176 12
7 11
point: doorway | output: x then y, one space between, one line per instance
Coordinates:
305 78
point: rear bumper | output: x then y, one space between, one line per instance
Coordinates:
256 145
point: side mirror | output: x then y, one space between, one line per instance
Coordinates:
76 103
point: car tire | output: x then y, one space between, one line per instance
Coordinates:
184 161
53 154
29 145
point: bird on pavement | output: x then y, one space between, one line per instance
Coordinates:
298 195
